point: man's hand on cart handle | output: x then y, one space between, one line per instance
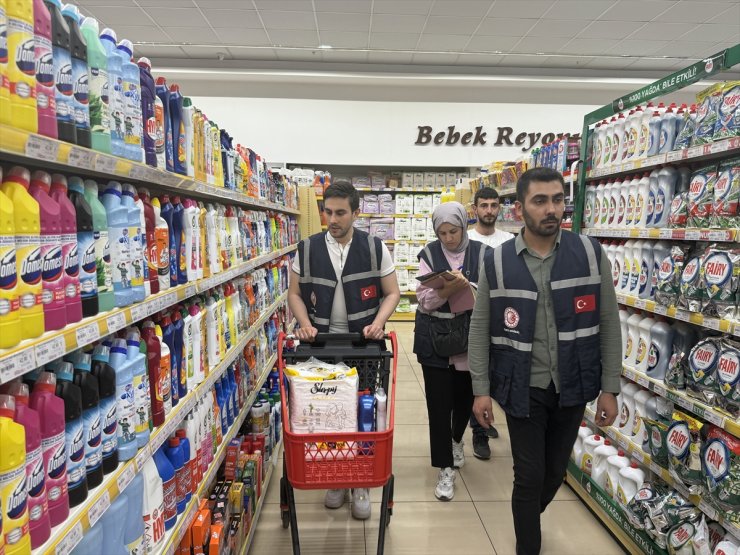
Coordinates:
373 331
483 410
306 334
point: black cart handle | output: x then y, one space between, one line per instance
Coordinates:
323 337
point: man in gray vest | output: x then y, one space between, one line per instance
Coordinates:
543 342
343 281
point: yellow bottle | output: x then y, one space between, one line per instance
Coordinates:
13 494
21 65
218 169
28 251
4 83
203 243
10 329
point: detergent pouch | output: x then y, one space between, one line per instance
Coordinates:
702 377
701 196
657 435
728 377
666 509
637 509
727 195
668 284
692 286
708 102
679 215
728 112
686 132
721 273
721 466
678 367
684 451
689 538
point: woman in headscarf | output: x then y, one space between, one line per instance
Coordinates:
440 339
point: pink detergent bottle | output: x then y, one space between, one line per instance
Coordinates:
69 248
50 409
52 264
38 509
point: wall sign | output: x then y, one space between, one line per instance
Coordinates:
503 136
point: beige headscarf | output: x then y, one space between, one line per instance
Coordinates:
452 213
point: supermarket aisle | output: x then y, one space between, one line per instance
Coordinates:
477 521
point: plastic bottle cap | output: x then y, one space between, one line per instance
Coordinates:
18 174
83 362
144 62
607 442
126 47
161 81
181 434
65 371
71 11
7 406
57 3
19 391
620 453
597 437
174 87
47 381
633 464
174 442
109 34
76 184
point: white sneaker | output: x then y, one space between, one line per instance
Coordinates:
335 498
458 456
361 503
445 489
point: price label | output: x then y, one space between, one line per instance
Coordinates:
660 309
70 541
81 158
629 374
170 179
638 454
190 291
694 151
715 418
105 164
685 403
628 166
98 508
17 365
139 312
674 156
115 322
640 303
656 468
87 334
50 350
171 299
139 172
643 381
719 146
708 510
143 455
42 148
161 437
622 443
658 389
125 478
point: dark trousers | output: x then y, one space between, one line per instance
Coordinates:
449 395
476 428
540 445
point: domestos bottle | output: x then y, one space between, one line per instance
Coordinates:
135 238
99 88
21 65
80 77
106 377
13 495
91 418
85 248
132 101
120 243
116 108
4 85
46 105
74 433
60 39
70 253
10 329
106 300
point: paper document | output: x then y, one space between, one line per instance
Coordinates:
462 301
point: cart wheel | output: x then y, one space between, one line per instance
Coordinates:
284 513
390 502
285 516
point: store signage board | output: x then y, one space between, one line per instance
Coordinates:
481 136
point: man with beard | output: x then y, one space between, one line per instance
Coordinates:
544 342
343 281
486 206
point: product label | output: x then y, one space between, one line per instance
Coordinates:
8 276
126 412
81 93
169 489
52 271
182 477
164 385
678 439
109 413
21 73
3 37
117 108
103 261
36 484
137 256
653 356
154 528
55 462
142 401
160 134
75 440
137 547
15 506
70 258
28 265
717 460
120 249
132 123
93 435
45 96
162 258
98 101
88 265
64 85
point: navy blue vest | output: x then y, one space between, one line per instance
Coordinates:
360 280
433 255
575 280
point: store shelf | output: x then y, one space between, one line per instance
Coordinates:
717 324
400 190
395 216
689 234
511 227
33 353
692 154
81 518
414 241
508 192
174 535
403 316
32 149
408 293
265 483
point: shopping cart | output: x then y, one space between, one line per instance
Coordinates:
354 459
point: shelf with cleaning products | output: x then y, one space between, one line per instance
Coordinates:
672 234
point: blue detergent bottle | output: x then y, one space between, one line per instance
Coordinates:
169 487
91 418
178 360
108 407
167 212
178 220
228 399
187 456
80 75
222 410
133 535
91 542
168 336
125 407
142 402
138 261
116 105
120 243
173 450
131 101
163 93
113 527
179 154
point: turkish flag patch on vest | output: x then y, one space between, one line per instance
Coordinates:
586 303
367 293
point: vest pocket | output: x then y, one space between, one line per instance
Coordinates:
588 351
501 377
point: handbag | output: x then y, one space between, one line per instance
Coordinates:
450 335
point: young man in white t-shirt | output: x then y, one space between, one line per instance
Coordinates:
486 205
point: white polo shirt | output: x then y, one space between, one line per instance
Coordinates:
493 240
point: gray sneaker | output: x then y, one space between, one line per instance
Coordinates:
492 432
481 450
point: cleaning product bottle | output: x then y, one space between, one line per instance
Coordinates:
64 87
148 119
80 77
165 371
187 348
52 268
178 360
106 298
21 65
28 252
141 386
108 405
643 344
631 479
120 242
10 328
589 447
168 337
91 541
51 411
125 409
38 508
134 534
4 85
153 354
74 433
381 410
137 236
213 344
153 511
195 448
13 494
643 136
667 178
627 417
205 270
599 465
633 334
164 95
188 113
668 131
46 106
178 223
613 466
114 526
91 418
97 63
148 226
167 214
661 249
116 101
132 101
184 477
173 450
70 253
618 138
641 201
661 342
652 195
196 346
190 221
160 130
178 131
169 486
646 270
212 242
162 246
85 247
639 431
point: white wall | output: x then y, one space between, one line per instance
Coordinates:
380 133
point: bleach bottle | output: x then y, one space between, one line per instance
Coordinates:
21 66
164 95
643 344
173 450
178 131
106 377
91 418
46 106
106 298
141 386
168 338
168 216
154 527
114 526
137 236
160 127
165 371
70 252
52 268
50 409
125 408
132 101
99 86
614 464
153 354
62 53
13 494
148 225
148 118
600 465
74 432
28 250
80 77
178 216
4 86
91 541
188 457
188 113
162 241
169 487
192 240
38 508
116 107
631 479
85 247
180 358
10 328
661 343
120 242
133 536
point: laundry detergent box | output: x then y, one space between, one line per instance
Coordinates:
440 180
429 179
437 199
423 204
403 279
403 229
450 178
404 203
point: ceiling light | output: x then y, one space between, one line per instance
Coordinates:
325 46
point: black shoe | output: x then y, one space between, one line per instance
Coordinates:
481 450
492 432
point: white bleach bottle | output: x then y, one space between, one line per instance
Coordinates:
623 317
588 206
639 430
627 416
643 137
618 137
624 192
617 264
631 479
661 345
599 201
644 285
624 282
633 334
643 343
600 464
614 203
614 464
634 189
641 201
583 432
634 282
587 457
608 140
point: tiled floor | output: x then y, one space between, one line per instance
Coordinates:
477 521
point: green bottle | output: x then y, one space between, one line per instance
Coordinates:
106 300
97 61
